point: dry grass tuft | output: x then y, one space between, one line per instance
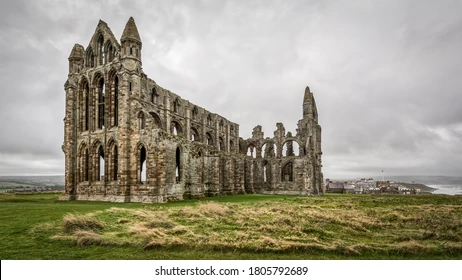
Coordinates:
179 230
160 224
123 221
189 211
213 209
86 238
87 222
154 243
209 209
410 246
268 242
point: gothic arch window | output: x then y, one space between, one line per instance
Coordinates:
90 58
221 144
231 129
101 93
252 151
101 58
87 106
176 105
109 52
231 145
175 128
194 134
290 148
87 166
154 96
157 121
116 101
141 120
84 105
209 119
115 163
142 165
194 113
84 163
221 125
266 172
208 139
177 165
101 164
287 172
268 150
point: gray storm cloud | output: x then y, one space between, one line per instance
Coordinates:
385 74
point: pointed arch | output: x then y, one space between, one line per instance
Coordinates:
97 160
231 146
287 172
266 174
176 105
221 144
194 134
178 169
154 95
99 99
111 98
157 120
109 51
101 164
83 163
141 163
208 139
89 58
112 160
141 120
290 148
101 51
221 125
115 111
194 113
176 128
268 150
252 151
115 163
84 103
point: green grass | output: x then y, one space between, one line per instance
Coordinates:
39 226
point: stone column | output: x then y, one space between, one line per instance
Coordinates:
69 145
187 133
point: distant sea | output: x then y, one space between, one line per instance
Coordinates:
442 184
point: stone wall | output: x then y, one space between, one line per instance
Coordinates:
128 139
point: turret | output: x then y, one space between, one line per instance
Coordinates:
76 59
307 102
131 41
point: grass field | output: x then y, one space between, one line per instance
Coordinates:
234 227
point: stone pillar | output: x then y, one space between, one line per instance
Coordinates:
167 113
69 145
187 133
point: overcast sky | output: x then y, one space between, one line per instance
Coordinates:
386 75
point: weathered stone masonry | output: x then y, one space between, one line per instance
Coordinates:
128 139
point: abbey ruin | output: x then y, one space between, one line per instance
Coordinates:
127 139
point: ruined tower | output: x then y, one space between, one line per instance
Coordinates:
128 139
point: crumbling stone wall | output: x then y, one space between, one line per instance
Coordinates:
128 139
